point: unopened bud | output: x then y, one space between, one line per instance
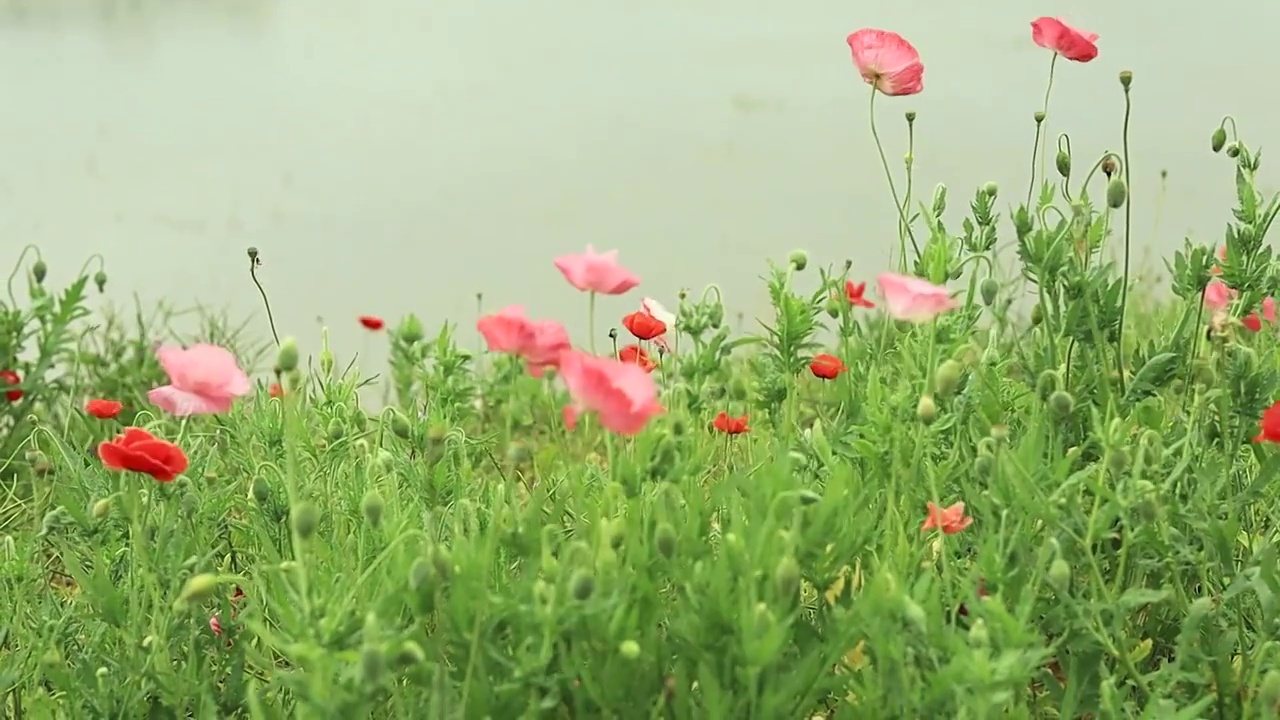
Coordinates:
372 662
582 585
1233 150
786 577
408 654
990 189
1126 79
979 636
1269 690
799 260
306 517
926 410
1062 161
914 615
1059 574
1037 315
629 649
989 288
336 430
946 378
1047 384
400 424
1218 139
199 588
1062 404
101 508
664 538
911 116
1118 460
442 561
1117 193
100 279
411 331
613 533
39 271
983 465
832 308
287 355
373 506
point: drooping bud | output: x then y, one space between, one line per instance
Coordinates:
664 538
287 356
946 378
799 260
305 517
926 410
983 465
373 507
914 615
1037 315
582 585
100 279
1048 383
1117 193
1062 404
336 430
442 561
39 271
1059 574
1269 690
613 533
372 663
408 655
1218 139
786 577
832 308
1233 150
260 490
989 288
399 424
1118 460
1062 161
101 508
199 588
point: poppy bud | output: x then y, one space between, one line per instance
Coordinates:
373 507
411 331
1062 404
1117 193
260 490
408 654
39 271
613 532
100 279
926 410
946 378
199 588
190 503
1118 460
1047 384
421 575
101 508
786 577
399 424
336 431
287 355
799 260
1126 79
372 662
442 561
989 288
306 517
1233 150
999 433
809 497
914 615
979 637
832 308
1038 117
983 465
1059 574
1152 447
1037 315
1063 162
664 538
911 116
990 189
629 649
1218 139
582 585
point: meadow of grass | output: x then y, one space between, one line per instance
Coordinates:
886 501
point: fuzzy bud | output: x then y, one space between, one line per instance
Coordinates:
372 663
1233 150
1118 460
260 490
1062 404
101 508
100 280
1218 139
629 649
39 271
582 585
199 588
799 260
983 465
1063 163
914 615
336 430
809 497
1048 383
411 331
946 378
305 517
1117 193
664 538
786 577
989 288
926 410
1038 117
408 655
613 533
832 308
1059 574
990 189
373 507
1037 315
287 356
400 425
1269 690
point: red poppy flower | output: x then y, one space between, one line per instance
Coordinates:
643 325
137 450
855 292
11 378
215 625
372 322
826 366
1252 322
1269 425
103 409
275 391
637 355
731 425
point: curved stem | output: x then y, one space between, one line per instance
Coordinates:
1042 131
18 266
254 262
1128 226
102 263
897 203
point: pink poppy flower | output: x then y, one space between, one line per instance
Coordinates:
622 395
539 342
912 299
663 315
1217 296
1072 44
596 272
203 380
1269 310
887 61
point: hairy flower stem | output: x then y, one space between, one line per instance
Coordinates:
254 263
897 203
1128 225
1042 134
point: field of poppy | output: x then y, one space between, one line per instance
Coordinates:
894 499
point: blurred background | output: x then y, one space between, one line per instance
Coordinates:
394 156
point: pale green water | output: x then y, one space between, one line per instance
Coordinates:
400 155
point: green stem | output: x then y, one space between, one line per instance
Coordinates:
591 322
1128 225
1042 131
893 189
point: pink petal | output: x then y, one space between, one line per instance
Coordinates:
182 403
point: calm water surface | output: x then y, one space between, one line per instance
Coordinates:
390 156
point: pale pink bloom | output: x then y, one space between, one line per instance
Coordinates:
949 520
887 61
665 316
1269 310
596 272
215 625
912 299
538 342
622 395
1217 296
203 380
1072 44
